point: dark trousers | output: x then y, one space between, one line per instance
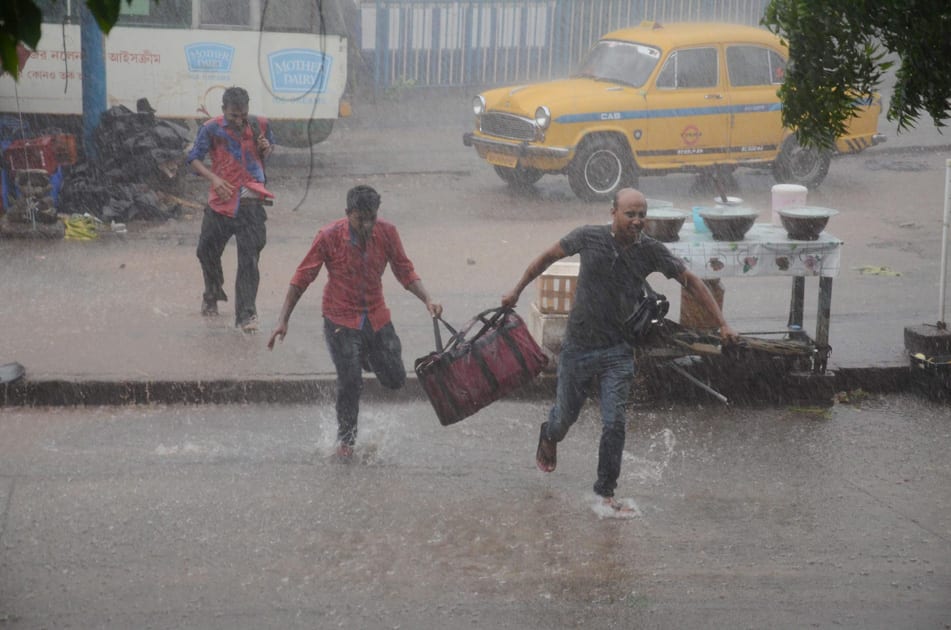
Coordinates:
251 235
351 350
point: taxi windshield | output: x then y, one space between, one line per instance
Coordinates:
620 62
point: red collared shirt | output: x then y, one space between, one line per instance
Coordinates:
355 274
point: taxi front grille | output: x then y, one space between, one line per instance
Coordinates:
508 126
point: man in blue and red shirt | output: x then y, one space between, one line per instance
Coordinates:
237 144
356 250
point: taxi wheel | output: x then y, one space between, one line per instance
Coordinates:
518 176
601 167
796 164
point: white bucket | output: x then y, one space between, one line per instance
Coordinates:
787 196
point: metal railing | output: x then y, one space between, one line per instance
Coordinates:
411 43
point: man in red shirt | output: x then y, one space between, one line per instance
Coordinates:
357 326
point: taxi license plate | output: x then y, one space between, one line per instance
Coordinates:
498 159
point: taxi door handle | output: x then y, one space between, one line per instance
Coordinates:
716 96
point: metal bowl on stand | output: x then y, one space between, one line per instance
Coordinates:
664 224
806 223
729 223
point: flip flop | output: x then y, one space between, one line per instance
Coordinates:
546 457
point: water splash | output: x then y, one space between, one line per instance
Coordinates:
380 434
628 508
650 467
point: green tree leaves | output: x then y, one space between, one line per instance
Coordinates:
106 13
839 51
20 22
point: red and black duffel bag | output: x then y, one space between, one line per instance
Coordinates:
470 373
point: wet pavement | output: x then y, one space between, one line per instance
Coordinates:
225 516
122 311
125 307
236 516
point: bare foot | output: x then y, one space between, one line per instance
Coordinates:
546 457
618 506
344 452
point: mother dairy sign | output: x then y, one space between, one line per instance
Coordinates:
184 72
299 71
209 57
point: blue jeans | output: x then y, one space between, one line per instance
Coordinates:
578 372
351 349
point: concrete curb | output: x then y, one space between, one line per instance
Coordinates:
320 389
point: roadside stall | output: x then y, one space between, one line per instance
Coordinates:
792 355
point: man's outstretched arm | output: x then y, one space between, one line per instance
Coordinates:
534 269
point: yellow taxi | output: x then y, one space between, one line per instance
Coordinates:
656 99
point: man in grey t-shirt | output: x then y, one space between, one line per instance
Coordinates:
615 262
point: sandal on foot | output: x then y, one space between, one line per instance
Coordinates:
617 506
546 457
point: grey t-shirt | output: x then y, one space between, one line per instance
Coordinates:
610 282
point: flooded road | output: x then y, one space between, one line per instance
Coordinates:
238 517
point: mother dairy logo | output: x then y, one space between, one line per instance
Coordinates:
299 70
209 57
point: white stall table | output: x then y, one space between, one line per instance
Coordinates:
766 251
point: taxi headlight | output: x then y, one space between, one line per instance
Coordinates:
478 105
542 117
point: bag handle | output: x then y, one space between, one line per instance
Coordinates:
489 318
488 323
438 337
